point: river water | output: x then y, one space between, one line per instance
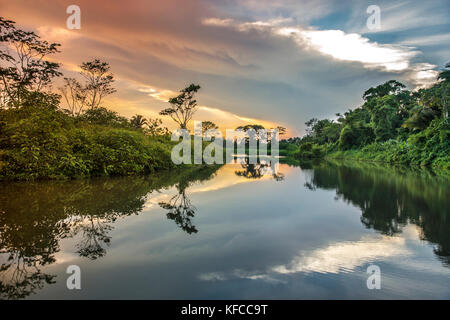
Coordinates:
230 232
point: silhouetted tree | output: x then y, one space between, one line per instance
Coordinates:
183 106
24 67
138 121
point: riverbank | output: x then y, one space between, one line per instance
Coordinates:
42 142
390 157
428 148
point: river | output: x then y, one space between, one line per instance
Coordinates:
230 232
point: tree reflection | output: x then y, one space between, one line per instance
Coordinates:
181 210
35 217
179 207
21 276
391 198
258 170
94 237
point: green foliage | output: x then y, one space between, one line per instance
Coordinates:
323 131
355 136
24 65
385 118
393 125
32 142
309 150
287 149
388 88
38 140
138 121
105 117
426 148
43 142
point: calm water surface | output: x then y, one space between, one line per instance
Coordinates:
230 233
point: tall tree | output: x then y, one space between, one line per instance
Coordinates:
24 67
99 81
183 106
389 87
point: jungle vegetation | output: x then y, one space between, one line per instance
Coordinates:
393 125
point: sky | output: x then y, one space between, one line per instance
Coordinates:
269 62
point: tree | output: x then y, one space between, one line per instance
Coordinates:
182 106
98 84
155 128
281 130
322 131
208 125
75 96
24 67
180 209
389 87
445 77
99 81
247 127
355 136
385 118
256 128
420 119
103 116
138 121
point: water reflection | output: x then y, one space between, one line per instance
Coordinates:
391 198
179 207
258 170
180 210
35 217
251 237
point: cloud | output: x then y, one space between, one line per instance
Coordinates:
216 113
342 46
423 74
226 119
158 94
333 259
408 15
238 274
429 40
57 34
354 47
278 61
344 256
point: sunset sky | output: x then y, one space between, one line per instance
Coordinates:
270 62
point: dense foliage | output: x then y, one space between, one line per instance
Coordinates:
44 142
393 125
